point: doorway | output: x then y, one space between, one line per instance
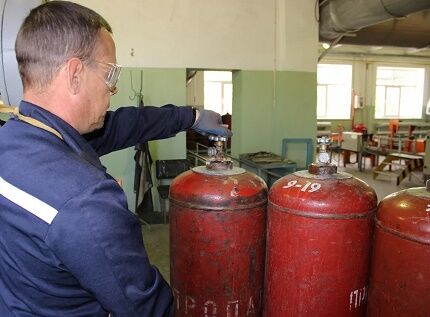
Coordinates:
210 90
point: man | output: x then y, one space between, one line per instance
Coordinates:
69 246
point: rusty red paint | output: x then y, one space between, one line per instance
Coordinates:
400 271
217 244
318 246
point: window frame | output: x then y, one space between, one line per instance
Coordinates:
375 87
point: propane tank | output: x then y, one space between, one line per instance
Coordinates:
400 270
217 239
319 233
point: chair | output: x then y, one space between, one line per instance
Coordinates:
166 171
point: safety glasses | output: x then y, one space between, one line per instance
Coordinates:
112 72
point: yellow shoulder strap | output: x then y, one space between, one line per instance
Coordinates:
15 112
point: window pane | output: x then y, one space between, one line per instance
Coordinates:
404 77
213 96
409 96
218 91
321 101
338 101
385 76
392 101
399 92
334 102
228 99
380 102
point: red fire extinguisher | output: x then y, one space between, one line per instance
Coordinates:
217 241
318 243
400 270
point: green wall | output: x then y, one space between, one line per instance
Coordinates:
252 115
268 107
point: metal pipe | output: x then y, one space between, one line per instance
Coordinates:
338 17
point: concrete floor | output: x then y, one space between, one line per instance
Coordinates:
156 237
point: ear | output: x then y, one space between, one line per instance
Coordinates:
74 71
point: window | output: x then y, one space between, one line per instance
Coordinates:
218 91
334 91
399 92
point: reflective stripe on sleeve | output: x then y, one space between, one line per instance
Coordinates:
26 201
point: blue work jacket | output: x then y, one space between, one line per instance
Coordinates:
69 246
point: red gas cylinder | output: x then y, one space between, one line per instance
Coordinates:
400 270
320 226
217 242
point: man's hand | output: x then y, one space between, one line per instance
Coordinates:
209 122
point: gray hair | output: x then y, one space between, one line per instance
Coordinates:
50 35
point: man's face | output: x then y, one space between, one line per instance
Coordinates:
97 92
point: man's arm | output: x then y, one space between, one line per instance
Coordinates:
100 242
129 126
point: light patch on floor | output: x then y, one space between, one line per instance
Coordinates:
156 239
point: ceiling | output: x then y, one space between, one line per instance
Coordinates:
406 36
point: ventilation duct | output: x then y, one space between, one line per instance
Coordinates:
342 17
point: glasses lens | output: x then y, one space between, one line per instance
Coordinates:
113 76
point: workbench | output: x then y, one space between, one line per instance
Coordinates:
267 165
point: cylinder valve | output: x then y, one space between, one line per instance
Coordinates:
217 159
